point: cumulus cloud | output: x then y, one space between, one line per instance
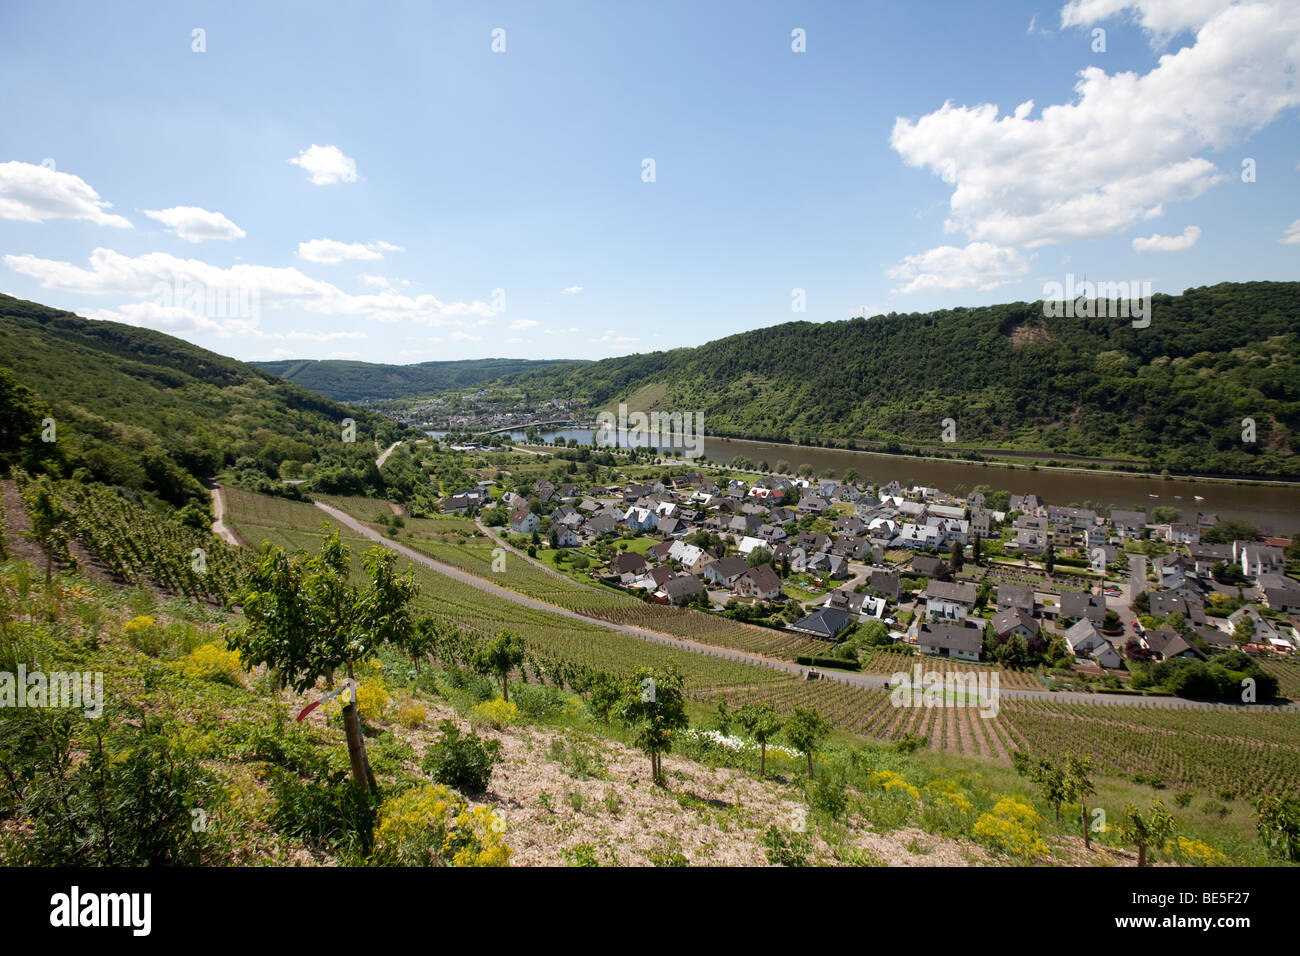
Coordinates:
520 324
611 336
978 265
459 336
194 224
30 193
1291 236
1128 142
571 290
326 165
375 282
162 286
1159 243
331 250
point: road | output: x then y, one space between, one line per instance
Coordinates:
379 462
218 518
874 681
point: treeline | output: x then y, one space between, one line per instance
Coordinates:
1175 395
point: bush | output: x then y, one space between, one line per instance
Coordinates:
496 713
372 701
537 702
1011 827
410 714
213 663
327 812
432 826
786 849
144 634
461 761
829 794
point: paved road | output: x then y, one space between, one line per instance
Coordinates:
218 518
861 680
379 462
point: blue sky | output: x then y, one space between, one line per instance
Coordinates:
498 205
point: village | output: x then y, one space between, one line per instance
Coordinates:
984 577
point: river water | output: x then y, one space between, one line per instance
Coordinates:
1274 509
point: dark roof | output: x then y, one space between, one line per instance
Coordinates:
764 578
952 591
955 637
683 585
1016 595
1008 620
825 621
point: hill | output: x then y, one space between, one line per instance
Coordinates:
1173 395
347 381
151 413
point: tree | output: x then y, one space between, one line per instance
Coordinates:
1278 823
758 556
805 730
499 658
958 559
1049 558
1051 779
1078 788
49 520
762 723
305 621
851 476
1151 830
975 551
653 706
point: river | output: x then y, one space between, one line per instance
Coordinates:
1274 509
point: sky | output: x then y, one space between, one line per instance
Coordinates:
430 181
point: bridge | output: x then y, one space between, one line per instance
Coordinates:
560 422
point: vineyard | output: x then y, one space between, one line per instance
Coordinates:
888 660
141 545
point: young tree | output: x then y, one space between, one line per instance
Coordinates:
1050 778
305 621
806 729
762 723
653 706
499 658
975 550
1078 788
1049 559
49 519
1278 823
1153 829
958 559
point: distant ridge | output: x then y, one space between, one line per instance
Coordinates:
349 381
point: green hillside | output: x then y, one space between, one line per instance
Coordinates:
347 381
1170 396
151 413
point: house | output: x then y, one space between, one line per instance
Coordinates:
920 536
689 556
952 530
1165 603
811 542
1182 533
640 519
760 583
523 521
813 504
1017 597
1014 621
963 640
884 584
1029 504
563 536
1073 520
1256 559
882 530
1166 643
948 601
458 505
849 524
1260 630
1107 657
981 522
1206 556
628 562
1076 607
682 588
1216 639
825 622
672 528
599 526
1280 592
545 490
746 546
930 566
833 564
850 546
724 571
771 533
1128 524
1083 638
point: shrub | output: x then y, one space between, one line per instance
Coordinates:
497 713
144 634
584 854
786 849
213 663
829 794
1198 853
372 701
326 812
461 761
537 702
410 713
432 826
1011 827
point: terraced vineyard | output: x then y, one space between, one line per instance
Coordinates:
887 660
1287 673
457 542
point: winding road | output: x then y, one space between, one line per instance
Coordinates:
873 681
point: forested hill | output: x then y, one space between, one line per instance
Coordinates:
1173 395
348 381
152 413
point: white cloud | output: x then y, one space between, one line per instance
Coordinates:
194 224
459 336
375 282
1291 236
331 250
1161 18
571 290
1159 243
30 193
155 275
612 336
520 324
514 341
979 265
326 165
1128 143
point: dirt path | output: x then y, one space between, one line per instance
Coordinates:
379 462
218 518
